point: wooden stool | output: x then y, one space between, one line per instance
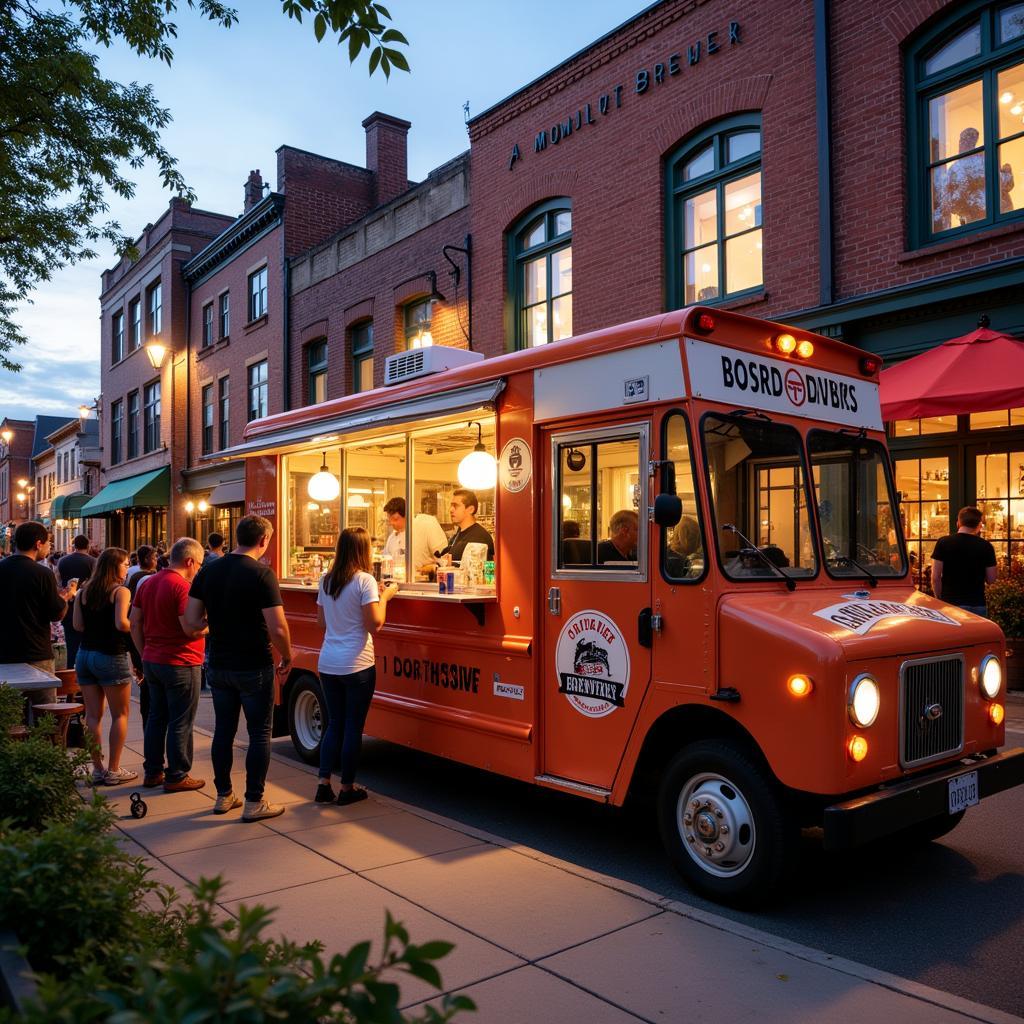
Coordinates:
68 682
63 713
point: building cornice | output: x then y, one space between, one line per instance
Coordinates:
266 214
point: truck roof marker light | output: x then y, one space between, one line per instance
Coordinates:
996 714
705 323
800 685
785 343
857 748
805 349
870 365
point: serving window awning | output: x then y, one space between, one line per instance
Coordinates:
145 490
232 493
68 506
328 431
978 372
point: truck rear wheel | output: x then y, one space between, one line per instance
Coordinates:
307 718
724 823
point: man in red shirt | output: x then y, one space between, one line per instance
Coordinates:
172 659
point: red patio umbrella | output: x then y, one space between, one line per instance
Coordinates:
979 372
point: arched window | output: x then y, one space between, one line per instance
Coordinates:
966 122
541 266
714 215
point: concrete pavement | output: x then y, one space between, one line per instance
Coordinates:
536 939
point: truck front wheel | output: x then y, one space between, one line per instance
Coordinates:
725 824
307 718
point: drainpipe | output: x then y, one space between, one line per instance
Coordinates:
823 118
286 316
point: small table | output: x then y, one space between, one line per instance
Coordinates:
63 713
19 675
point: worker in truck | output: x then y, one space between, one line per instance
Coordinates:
623 529
463 508
427 535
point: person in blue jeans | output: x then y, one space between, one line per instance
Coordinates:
349 610
239 599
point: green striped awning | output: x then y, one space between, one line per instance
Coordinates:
68 506
146 490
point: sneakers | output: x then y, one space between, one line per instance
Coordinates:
97 777
152 781
257 810
184 785
324 794
350 796
226 802
119 777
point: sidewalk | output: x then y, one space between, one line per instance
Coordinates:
536 939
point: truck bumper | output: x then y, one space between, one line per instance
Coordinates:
886 811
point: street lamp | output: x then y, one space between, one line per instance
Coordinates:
156 352
7 434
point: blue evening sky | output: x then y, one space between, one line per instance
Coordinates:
238 94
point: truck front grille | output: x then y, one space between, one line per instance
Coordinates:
932 709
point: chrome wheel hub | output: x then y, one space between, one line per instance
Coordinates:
716 824
308 724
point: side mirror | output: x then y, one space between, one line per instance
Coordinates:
668 509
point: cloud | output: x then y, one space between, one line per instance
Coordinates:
48 386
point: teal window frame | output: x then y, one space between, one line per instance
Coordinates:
207 402
258 377
258 294
678 191
224 412
117 337
922 88
155 309
519 255
316 371
362 350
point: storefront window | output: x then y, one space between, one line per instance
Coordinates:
923 489
1000 491
716 214
997 418
968 142
682 552
313 524
927 425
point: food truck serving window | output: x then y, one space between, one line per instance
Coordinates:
757 485
856 511
406 489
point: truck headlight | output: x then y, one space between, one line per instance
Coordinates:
865 700
991 676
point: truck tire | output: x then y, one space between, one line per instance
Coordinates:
307 717
725 824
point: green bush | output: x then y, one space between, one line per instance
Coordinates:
1005 603
12 708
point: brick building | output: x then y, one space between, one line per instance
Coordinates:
75 450
16 438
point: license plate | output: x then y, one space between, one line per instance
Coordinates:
963 792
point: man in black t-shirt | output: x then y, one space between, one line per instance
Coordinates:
76 566
29 602
963 563
239 598
467 530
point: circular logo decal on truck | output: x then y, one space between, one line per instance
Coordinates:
515 467
592 664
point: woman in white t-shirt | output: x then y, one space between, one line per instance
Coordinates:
349 610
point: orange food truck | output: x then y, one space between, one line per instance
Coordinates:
699 587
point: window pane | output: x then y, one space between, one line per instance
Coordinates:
364 374
318 388
561 271
313 526
744 144
956 122
535 234
563 222
989 420
906 428
1011 23
536 285
743 205
561 318
958 192
618 503
701 274
743 262
702 163
938 424
683 552
536 325
1011 101
1011 175
965 45
576 508
700 219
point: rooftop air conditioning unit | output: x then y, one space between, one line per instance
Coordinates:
422 362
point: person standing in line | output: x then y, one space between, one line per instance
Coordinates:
238 597
963 563
29 601
349 610
103 665
145 566
216 543
76 566
171 658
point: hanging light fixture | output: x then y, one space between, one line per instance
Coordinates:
478 470
323 486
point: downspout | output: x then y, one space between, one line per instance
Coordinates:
286 311
823 119
190 523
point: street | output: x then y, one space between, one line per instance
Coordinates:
946 915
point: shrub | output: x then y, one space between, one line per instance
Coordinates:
1005 603
12 708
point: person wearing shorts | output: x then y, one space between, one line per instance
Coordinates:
103 664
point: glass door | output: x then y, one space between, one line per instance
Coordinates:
925 483
998 487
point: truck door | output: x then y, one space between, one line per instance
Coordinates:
596 597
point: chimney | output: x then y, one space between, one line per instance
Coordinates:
253 190
387 155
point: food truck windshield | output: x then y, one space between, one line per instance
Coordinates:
401 487
765 521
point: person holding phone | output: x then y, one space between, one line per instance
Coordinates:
350 609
